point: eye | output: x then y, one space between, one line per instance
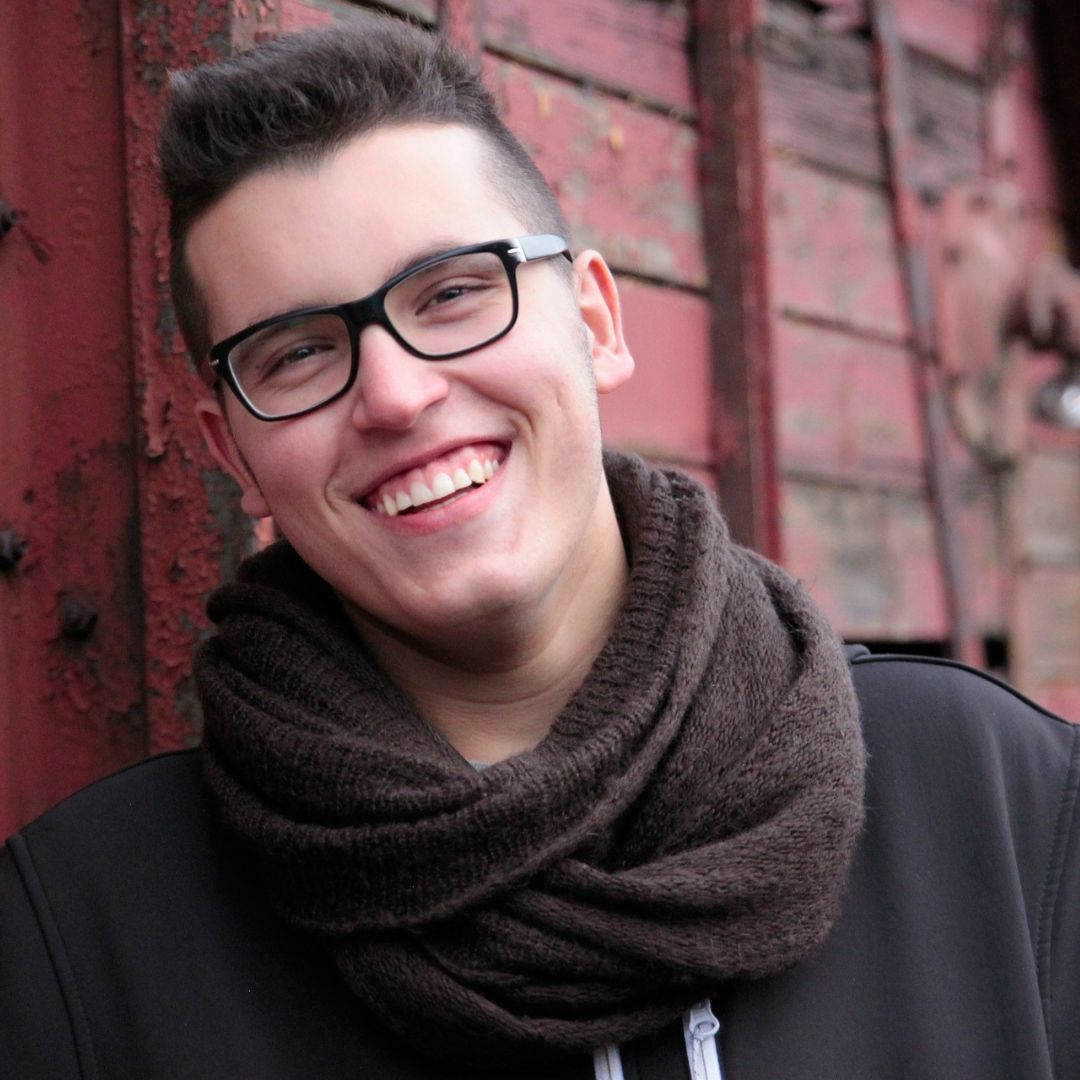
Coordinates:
279 361
448 293
298 353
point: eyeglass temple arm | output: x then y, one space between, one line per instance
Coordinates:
543 247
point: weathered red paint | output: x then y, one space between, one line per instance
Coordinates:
820 93
665 411
867 553
71 705
955 31
292 16
841 331
296 16
846 405
639 48
190 534
627 177
1046 645
867 556
461 22
832 254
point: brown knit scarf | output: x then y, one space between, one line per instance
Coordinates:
688 820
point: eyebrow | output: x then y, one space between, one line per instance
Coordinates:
439 246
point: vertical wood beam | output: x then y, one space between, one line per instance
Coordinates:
727 64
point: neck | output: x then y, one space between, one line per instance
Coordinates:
499 694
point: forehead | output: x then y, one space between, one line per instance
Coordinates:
302 235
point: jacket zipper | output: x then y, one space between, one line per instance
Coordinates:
700 1028
607 1063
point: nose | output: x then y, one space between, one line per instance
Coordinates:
393 387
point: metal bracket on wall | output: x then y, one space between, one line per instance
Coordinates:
997 300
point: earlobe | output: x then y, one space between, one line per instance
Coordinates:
218 436
598 298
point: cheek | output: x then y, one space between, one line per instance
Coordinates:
551 372
288 463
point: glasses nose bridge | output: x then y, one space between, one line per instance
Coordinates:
364 312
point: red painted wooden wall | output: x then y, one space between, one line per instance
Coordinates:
725 157
855 510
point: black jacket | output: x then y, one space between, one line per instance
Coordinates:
135 943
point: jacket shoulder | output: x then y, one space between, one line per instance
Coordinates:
958 750
147 793
984 784
928 695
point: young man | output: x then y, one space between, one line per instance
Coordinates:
514 764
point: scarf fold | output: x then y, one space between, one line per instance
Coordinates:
688 820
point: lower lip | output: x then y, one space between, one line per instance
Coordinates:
459 510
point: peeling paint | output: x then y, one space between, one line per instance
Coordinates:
182 539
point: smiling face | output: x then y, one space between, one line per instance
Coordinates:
435 498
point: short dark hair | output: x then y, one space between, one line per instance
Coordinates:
296 99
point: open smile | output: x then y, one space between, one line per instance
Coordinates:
436 483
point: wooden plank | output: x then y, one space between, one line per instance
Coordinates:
1047 640
639 48
868 557
1047 519
626 176
665 411
832 253
820 102
955 31
844 404
296 15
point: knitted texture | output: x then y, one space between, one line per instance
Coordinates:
689 819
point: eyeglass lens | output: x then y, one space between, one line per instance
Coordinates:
453 306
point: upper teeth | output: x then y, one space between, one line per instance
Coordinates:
442 484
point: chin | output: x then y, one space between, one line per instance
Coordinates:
491 603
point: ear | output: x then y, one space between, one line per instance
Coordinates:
214 425
598 298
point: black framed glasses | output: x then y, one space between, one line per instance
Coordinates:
445 306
